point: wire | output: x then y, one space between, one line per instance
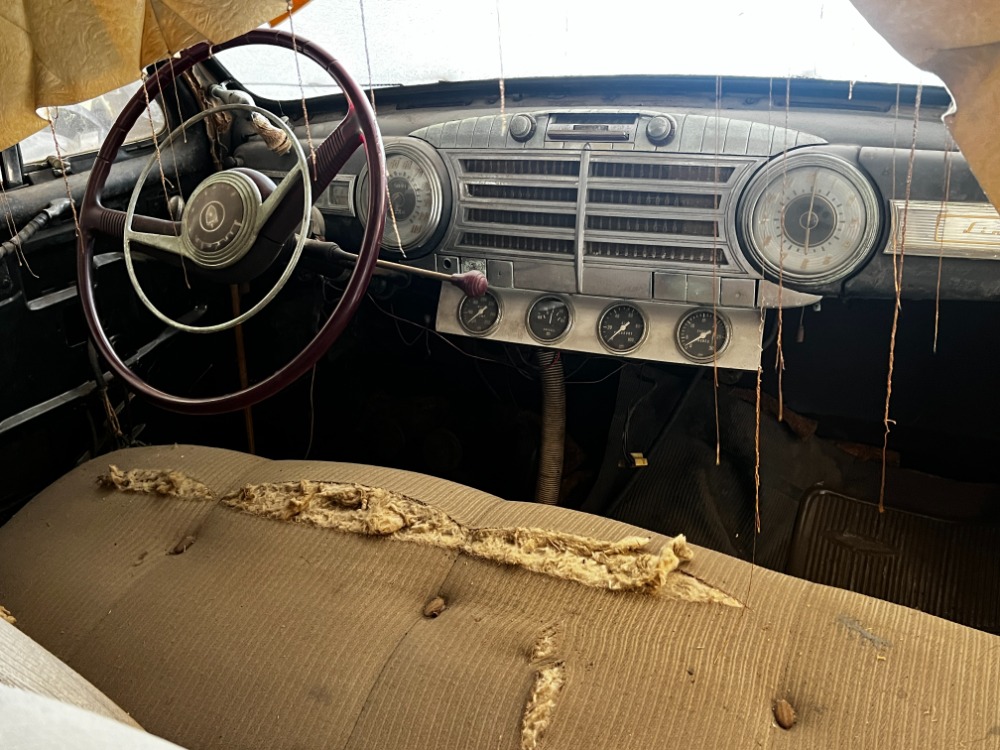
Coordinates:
601 380
421 335
634 406
430 330
510 363
312 411
486 382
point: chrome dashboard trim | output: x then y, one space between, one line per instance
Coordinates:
693 134
644 231
945 230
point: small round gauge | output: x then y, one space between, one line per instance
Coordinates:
702 335
810 218
549 318
417 193
622 327
479 315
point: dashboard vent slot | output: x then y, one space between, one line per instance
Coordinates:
522 193
593 118
656 200
652 225
520 218
675 254
549 167
549 245
657 171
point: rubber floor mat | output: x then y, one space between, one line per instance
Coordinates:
944 568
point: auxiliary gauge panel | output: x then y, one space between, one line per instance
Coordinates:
637 330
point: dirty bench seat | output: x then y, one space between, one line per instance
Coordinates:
220 610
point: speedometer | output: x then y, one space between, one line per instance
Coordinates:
810 218
418 195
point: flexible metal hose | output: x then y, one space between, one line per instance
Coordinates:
550 454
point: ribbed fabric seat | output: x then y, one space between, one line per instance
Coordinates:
218 628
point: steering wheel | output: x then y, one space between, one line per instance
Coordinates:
236 221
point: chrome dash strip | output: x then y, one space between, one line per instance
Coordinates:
949 230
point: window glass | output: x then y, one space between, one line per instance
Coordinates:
424 41
83 127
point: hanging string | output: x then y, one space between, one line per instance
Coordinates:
289 6
159 164
22 259
899 249
943 213
371 94
109 410
62 170
368 59
715 279
177 101
503 79
779 361
756 438
173 151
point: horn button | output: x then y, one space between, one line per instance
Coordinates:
219 219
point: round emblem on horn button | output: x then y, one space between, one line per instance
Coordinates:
215 218
212 216
219 218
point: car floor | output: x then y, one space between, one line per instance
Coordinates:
818 506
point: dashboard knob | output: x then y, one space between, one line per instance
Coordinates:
659 129
522 127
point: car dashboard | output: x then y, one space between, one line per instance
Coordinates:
662 233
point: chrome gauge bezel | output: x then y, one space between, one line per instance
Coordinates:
428 160
645 326
720 317
493 326
531 309
771 176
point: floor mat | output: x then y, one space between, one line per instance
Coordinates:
685 490
944 568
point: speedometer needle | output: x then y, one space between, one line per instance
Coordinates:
621 329
481 311
700 337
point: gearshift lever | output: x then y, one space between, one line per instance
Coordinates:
472 283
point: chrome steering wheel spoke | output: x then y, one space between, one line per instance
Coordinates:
173 244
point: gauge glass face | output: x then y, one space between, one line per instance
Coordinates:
479 315
548 318
622 327
702 335
414 209
812 223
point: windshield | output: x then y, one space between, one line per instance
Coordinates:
426 41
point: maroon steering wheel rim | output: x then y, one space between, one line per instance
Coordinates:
358 129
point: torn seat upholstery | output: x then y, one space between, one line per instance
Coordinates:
234 616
